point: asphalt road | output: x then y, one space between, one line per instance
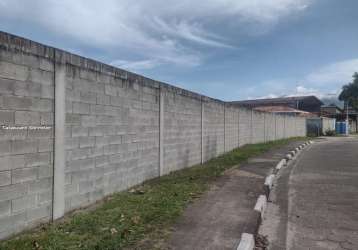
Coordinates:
315 200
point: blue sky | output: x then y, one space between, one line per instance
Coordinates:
227 49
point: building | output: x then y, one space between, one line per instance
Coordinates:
331 110
283 110
309 104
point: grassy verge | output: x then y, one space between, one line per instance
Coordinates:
128 217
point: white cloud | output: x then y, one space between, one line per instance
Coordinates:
135 65
157 30
338 73
324 82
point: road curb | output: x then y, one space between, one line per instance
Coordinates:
247 241
281 164
268 184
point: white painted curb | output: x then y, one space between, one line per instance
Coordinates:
281 164
293 152
261 205
288 156
269 180
247 242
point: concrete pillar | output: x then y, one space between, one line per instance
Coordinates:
251 127
238 127
284 126
202 131
224 127
59 150
161 132
265 127
275 115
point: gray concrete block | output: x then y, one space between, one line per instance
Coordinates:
111 90
5 148
88 120
86 186
29 89
23 203
103 99
80 153
43 105
37 159
12 162
81 164
80 108
73 119
87 142
79 131
13 71
40 185
6 117
5 208
41 76
47 118
45 145
5 178
7 86
72 143
27 118
24 174
11 192
9 223
88 97
37 213
45 171
45 197
40 132
96 131
16 103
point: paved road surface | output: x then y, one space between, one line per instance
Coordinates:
315 201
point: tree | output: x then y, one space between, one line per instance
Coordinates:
350 92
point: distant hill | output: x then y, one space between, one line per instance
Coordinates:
332 100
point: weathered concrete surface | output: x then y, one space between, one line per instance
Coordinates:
316 205
217 220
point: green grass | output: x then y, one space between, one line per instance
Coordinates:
144 212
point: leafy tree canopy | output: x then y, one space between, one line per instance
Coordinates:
350 92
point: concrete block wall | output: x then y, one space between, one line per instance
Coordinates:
112 135
258 127
182 129
214 127
270 127
84 130
26 139
280 126
245 126
231 128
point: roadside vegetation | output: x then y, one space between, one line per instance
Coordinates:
136 216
